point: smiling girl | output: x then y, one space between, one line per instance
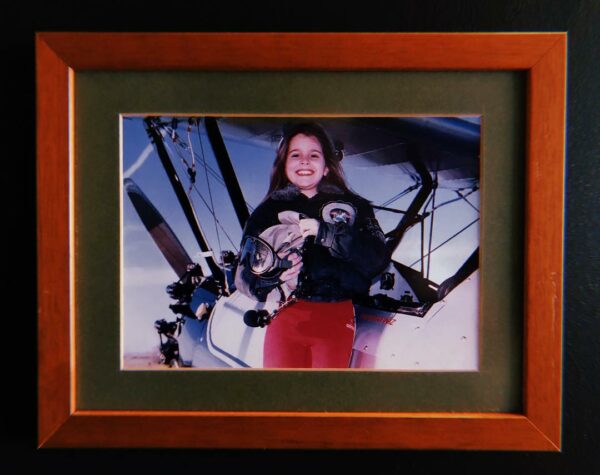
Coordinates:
342 248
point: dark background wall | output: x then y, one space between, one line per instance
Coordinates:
581 415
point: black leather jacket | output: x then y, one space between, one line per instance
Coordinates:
340 262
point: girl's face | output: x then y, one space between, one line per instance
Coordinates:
305 163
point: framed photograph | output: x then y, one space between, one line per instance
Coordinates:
200 195
417 306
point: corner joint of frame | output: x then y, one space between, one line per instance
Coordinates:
550 443
46 440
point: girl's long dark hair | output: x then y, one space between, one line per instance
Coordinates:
332 161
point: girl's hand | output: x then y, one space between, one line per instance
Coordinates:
309 227
290 276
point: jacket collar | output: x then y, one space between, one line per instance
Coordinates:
291 191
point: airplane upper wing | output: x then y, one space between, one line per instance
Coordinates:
449 147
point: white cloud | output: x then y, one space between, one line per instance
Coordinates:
139 162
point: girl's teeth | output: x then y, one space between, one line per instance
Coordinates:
304 172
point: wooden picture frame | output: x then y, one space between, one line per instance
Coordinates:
60 56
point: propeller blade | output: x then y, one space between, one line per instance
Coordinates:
162 234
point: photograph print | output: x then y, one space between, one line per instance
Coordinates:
300 242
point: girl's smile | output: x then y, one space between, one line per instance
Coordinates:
305 163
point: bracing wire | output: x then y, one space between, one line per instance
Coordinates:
212 205
189 170
462 197
431 227
400 195
181 146
206 204
211 170
422 259
205 165
447 240
176 141
427 203
192 169
215 217
434 207
185 147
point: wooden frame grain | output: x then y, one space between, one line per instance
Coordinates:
60 56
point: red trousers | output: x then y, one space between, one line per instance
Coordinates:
311 335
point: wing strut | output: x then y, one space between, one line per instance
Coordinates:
182 196
227 171
412 213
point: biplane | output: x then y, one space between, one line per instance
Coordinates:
420 173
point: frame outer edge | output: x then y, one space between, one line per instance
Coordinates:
53 216
545 224
60 425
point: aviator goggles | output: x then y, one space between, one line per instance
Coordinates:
262 260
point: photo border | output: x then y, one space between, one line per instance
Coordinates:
59 56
